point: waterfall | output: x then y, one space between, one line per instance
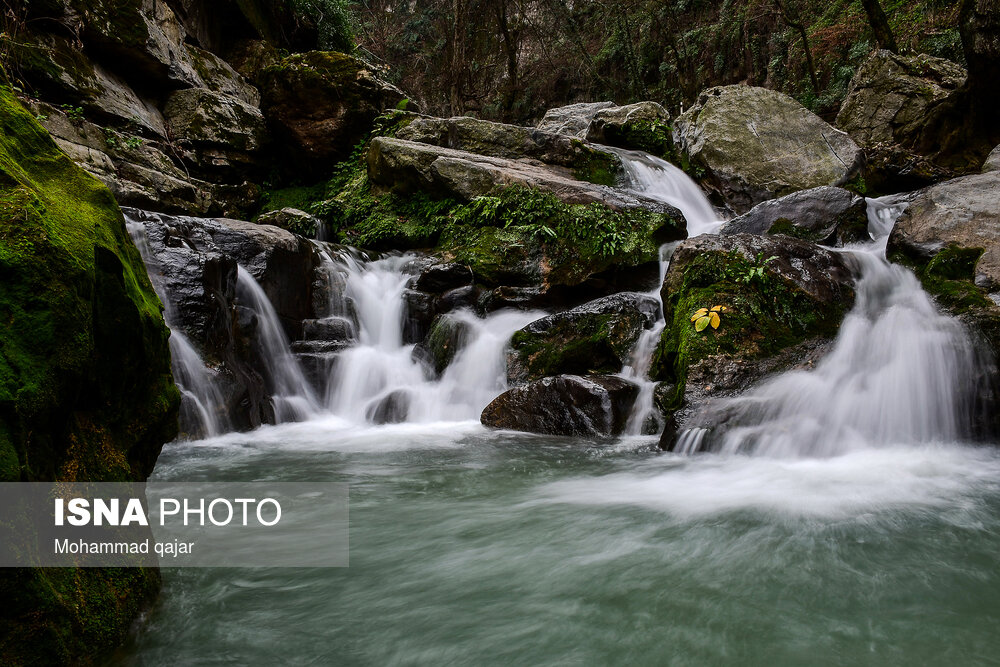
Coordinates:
202 410
380 379
291 395
658 179
899 372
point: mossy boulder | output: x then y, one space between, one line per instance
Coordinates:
594 338
593 406
749 144
86 391
643 126
827 215
320 104
513 142
293 220
776 293
447 336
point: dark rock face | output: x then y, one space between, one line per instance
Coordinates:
825 215
782 298
321 104
390 409
565 405
443 277
754 144
641 126
596 337
196 260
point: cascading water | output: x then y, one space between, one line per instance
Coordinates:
658 179
291 394
381 380
202 412
899 372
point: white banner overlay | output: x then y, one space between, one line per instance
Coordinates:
174 524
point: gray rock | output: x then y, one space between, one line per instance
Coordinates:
826 215
891 95
510 142
573 119
641 126
963 213
753 144
565 405
407 166
992 161
203 117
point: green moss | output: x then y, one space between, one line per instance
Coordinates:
596 166
786 227
765 314
949 278
85 386
302 197
652 136
586 343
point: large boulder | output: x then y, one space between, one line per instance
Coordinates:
406 166
888 103
826 215
573 119
643 126
565 405
594 338
448 335
780 299
891 95
962 214
86 391
748 145
514 143
320 104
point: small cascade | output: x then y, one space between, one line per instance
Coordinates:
662 181
658 179
202 411
899 372
291 395
381 380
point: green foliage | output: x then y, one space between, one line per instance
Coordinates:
950 278
75 114
118 141
333 22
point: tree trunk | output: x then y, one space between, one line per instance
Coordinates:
880 25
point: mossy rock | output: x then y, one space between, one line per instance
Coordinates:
775 292
643 126
86 391
595 338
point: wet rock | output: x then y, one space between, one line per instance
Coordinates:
750 144
406 167
390 409
329 329
443 277
961 216
421 308
320 104
827 215
781 298
573 119
447 337
643 126
565 405
461 297
594 338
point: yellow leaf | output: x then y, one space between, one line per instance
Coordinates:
714 317
701 313
701 323
716 309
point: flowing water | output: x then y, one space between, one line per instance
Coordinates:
862 530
